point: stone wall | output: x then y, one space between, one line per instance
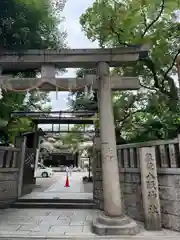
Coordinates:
168 169
131 194
97 178
9 175
130 190
8 186
169 192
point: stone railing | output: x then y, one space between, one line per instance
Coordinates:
133 178
8 157
9 172
167 154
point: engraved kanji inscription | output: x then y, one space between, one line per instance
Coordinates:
149 161
151 184
152 194
153 209
150 177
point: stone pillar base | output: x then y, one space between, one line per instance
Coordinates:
105 225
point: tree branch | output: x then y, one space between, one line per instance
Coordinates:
152 67
173 89
118 35
150 64
152 89
145 19
172 65
125 109
122 121
155 20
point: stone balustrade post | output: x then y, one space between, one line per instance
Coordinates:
179 142
21 143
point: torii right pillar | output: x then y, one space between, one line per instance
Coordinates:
112 221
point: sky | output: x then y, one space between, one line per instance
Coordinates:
75 39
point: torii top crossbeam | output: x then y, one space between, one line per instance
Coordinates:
70 58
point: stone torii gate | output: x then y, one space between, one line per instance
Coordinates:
112 221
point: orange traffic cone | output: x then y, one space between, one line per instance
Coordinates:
67 181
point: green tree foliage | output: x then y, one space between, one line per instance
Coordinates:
28 24
19 125
153 111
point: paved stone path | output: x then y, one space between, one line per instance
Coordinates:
42 184
77 189
61 224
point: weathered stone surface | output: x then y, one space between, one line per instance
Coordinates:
171 222
131 200
121 177
128 187
136 178
98 185
131 188
101 205
8 176
8 186
8 190
73 58
105 225
169 193
149 184
132 212
169 180
170 207
127 177
98 195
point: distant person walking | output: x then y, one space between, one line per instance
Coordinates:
67 170
71 170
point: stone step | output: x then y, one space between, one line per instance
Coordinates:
57 205
88 237
54 200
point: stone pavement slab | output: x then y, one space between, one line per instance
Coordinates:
63 224
77 237
77 189
58 195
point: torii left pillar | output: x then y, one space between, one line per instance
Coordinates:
112 221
